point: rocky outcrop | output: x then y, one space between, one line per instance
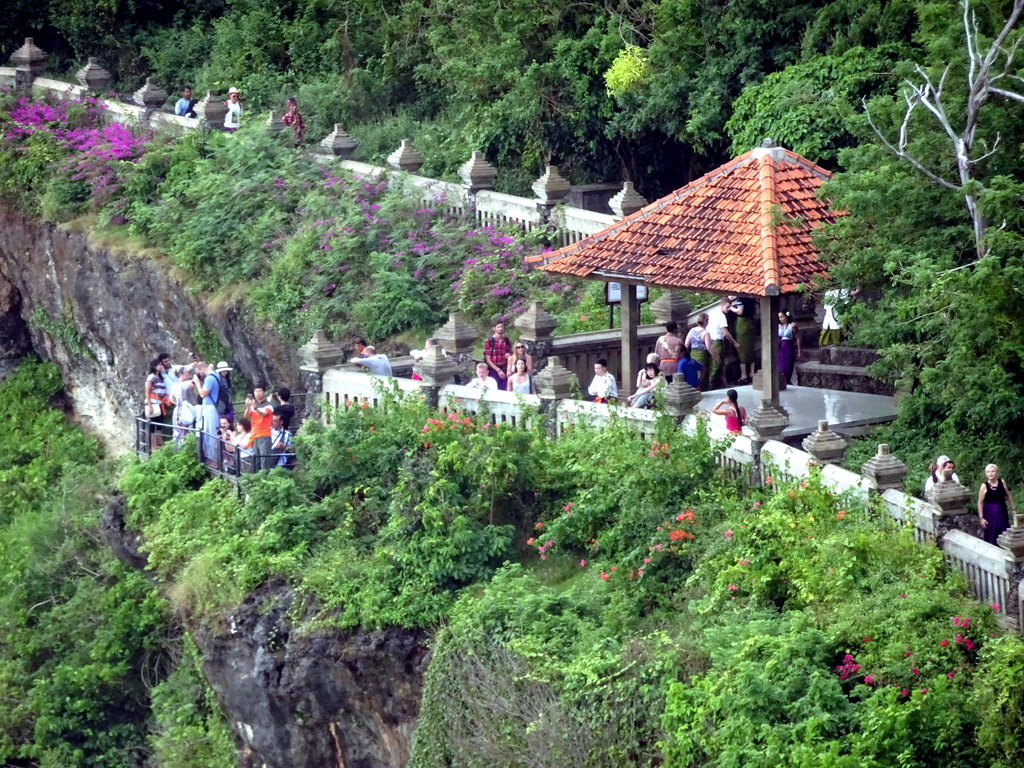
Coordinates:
101 314
14 338
313 699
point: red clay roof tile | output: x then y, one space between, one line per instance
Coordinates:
743 228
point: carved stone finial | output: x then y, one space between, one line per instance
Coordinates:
435 369
680 399
555 382
476 173
340 143
30 57
825 445
949 496
320 353
535 324
274 124
406 158
769 143
150 95
457 336
672 305
884 470
93 77
627 201
768 420
551 186
1012 540
211 110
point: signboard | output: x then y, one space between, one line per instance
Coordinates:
613 293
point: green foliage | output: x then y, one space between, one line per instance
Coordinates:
63 329
77 627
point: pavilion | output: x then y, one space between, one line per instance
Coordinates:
745 228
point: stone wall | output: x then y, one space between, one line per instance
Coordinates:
120 307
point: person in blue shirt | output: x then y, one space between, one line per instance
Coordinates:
689 368
184 107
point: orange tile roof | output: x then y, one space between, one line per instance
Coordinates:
743 228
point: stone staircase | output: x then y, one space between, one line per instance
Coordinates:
842 368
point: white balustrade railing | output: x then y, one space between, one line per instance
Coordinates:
499 208
986 566
905 509
499 406
578 412
344 388
791 463
574 224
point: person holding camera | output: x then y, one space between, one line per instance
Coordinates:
260 412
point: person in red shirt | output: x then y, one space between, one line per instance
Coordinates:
293 120
497 351
261 413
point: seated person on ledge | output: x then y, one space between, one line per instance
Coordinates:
482 380
378 365
603 388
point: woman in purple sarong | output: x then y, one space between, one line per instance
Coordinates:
789 346
992 504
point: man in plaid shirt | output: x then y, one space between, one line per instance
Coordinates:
497 351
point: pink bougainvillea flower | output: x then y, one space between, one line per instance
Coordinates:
869 680
529 542
583 563
995 607
733 588
944 643
728 535
604 576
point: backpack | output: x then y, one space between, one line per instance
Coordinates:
223 396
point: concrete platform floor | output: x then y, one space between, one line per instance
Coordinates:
848 413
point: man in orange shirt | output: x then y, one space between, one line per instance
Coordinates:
261 412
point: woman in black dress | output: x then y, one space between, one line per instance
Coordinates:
992 504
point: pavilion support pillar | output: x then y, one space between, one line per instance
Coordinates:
769 419
630 345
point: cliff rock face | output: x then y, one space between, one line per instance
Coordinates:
319 699
101 315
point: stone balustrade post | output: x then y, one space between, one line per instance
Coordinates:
952 501
477 174
554 384
406 158
550 188
628 201
275 124
825 445
315 357
681 399
884 471
150 97
211 110
1012 540
435 371
458 338
93 77
673 306
28 61
339 143
536 327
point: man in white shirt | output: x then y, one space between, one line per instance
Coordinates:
603 387
831 329
482 380
718 327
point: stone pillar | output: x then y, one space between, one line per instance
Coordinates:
477 174
315 357
211 111
550 188
275 124
770 418
28 61
680 399
339 143
630 344
535 328
952 500
673 305
92 77
1012 540
435 371
458 338
628 201
150 97
884 471
406 158
825 445
554 383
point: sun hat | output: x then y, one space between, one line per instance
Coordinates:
232 89
942 460
223 366
653 357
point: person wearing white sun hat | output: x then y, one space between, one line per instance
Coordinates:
941 463
233 118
